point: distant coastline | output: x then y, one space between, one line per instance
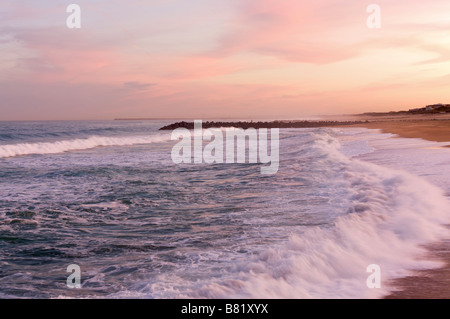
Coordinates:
439 108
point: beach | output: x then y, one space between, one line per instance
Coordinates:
431 130
433 127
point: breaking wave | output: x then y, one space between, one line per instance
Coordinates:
76 144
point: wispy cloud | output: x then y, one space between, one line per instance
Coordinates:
137 86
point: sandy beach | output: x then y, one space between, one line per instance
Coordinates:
433 127
432 130
437 130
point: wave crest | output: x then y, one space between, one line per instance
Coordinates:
76 144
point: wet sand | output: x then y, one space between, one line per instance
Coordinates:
426 284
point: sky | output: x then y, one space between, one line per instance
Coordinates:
280 59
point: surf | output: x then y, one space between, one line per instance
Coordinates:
386 217
61 146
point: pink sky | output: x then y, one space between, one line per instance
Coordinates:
221 58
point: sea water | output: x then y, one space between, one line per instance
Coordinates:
106 196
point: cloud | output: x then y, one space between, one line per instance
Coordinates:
53 54
326 31
310 32
137 86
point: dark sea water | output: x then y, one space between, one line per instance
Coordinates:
107 196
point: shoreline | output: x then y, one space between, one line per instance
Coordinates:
436 130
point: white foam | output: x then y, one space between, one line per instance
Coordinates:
427 159
76 144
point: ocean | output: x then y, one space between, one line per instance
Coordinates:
106 196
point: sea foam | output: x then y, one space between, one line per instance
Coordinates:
62 146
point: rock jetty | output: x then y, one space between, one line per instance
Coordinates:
257 125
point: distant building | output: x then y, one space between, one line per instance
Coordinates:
430 108
433 107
